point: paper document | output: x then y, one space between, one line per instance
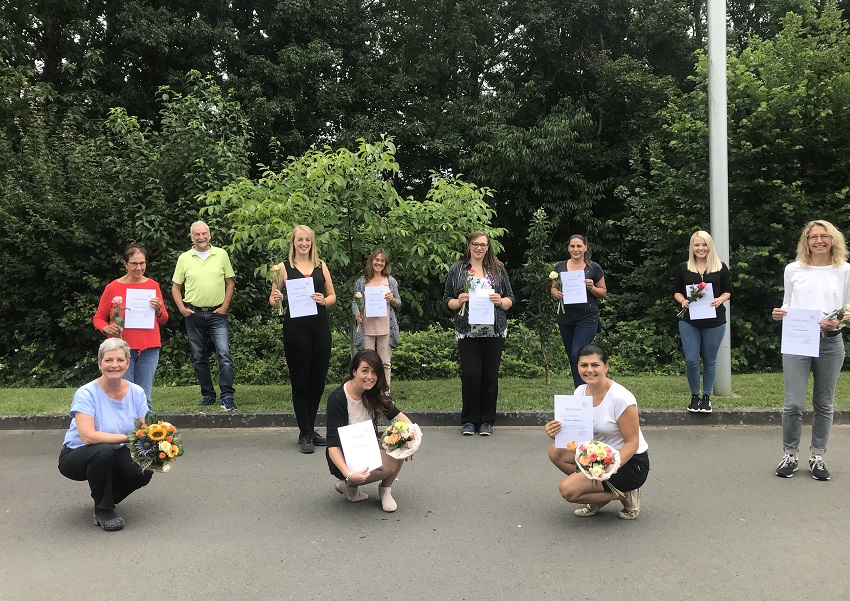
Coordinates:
140 315
573 287
298 291
375 305
481 308
801 332
360 446
701 308
576 416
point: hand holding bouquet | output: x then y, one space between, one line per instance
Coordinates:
697 292
838 314
115 314
401 439
358 298
598 461
154 445
553 275
470 275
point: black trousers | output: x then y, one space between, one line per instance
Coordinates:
479 375
111 472
308 355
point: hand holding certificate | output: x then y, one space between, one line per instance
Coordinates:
801 332
481 308
573 287
376 301
701 308
299 299
360 446
140 314
576 416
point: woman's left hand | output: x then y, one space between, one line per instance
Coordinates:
588 283
156 304
319 298
827 325
496 299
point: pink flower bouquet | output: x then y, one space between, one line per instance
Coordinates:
598 461
401 440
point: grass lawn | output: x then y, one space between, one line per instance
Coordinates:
652 392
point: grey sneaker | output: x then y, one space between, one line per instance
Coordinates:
486 430
787 467
467 429
818 468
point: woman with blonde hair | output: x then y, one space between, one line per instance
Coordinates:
307 339
701 338
819 279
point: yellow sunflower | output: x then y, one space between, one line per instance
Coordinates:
173 450
157 432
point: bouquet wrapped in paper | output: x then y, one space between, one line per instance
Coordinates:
401 440
154 445
598 461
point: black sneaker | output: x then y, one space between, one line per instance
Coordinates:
486 430
227 404
108 519
207 402
306 442
705 404
818 468
787 467
319 440
694 406
468 429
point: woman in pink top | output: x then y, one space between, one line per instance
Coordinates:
144 342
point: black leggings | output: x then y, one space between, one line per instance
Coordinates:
111 472
308 355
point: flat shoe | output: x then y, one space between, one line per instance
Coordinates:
633 510
108 520
589 509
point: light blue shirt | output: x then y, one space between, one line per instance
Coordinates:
109 415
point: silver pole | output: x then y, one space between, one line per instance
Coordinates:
718 168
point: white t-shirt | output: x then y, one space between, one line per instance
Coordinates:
822 288
606 414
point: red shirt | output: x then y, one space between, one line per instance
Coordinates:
137 339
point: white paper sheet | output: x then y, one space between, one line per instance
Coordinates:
140 315
298 291
375 303
360 446
576 416
481 308
573 287
701 309
801 332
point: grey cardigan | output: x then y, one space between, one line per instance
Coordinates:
360 286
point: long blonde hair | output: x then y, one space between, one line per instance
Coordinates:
838 250
314 254
712 261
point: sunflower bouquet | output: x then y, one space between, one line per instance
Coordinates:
401 439
598 461
154 445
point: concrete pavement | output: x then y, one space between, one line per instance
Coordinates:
244 515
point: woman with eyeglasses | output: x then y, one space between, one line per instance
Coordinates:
111 314
479 345
379 333
819 279
701 337
579 322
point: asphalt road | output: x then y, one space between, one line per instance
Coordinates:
244 515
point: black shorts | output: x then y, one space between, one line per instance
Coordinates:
632 475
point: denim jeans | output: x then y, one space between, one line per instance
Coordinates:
795 369
143 369
201 327
574 337
696 343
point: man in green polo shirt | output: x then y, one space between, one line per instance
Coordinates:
205 273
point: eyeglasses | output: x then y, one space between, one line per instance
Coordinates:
816 237
134 264
479 244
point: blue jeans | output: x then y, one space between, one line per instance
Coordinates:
143 369
574 337
201 327
696 343
795 370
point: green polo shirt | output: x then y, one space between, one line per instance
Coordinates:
203 279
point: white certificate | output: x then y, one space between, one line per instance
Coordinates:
576 416
801 332
140 314
701 308
573 287
360 446
481 308
298 291
375 304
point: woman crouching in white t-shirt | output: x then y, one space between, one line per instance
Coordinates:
615 422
